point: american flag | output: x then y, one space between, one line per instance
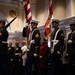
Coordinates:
28 15
27 11
48 21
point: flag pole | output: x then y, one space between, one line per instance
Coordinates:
50 14
28 15
47 26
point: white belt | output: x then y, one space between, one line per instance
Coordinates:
16 53
4 42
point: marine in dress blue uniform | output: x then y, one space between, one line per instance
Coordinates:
32 56
57 42
71 49
4 56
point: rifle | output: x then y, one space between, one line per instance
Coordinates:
10 22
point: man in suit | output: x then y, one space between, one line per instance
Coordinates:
32 56
71 49
57 41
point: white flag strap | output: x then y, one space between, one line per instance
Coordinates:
56 34
55 41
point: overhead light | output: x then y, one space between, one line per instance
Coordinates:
12 13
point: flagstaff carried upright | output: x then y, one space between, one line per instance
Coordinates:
47 26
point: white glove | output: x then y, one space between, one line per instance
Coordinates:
52 50
40 56
69 41
58 52
32 42
11 59
35 54
67 54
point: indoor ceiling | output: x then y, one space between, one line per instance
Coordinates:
11 2
14 2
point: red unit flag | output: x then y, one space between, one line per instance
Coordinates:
48 21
